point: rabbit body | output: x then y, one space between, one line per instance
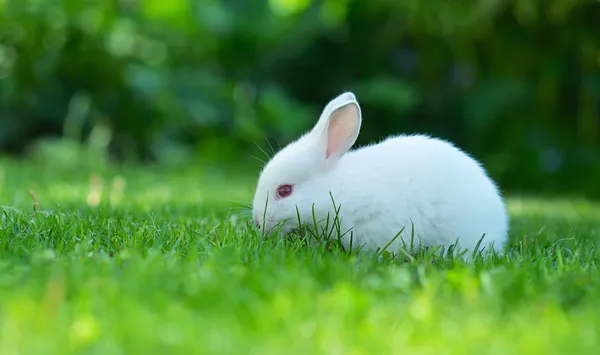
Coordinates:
423 186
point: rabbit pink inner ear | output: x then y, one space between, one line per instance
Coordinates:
344 124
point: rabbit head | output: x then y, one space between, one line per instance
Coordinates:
293 183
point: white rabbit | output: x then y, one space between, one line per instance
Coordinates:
425 185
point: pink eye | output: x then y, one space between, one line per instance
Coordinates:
284 191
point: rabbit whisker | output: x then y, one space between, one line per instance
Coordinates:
262 150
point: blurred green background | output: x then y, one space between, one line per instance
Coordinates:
172 82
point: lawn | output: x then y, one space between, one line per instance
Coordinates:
146 261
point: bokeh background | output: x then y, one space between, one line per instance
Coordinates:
173 82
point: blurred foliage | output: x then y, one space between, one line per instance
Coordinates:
515 82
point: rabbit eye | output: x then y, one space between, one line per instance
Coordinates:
284 191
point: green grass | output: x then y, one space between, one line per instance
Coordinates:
162 264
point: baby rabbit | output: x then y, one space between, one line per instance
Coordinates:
425 187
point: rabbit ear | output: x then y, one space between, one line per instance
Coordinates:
339 125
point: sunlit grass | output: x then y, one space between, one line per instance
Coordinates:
153 262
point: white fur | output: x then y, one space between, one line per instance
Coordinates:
404 180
